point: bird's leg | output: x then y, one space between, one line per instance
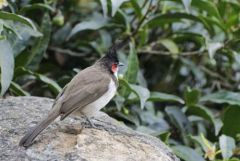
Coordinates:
89 121
92 125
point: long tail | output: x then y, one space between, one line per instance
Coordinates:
33 133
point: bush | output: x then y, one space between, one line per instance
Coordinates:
188 50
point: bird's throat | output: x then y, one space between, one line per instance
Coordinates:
116 74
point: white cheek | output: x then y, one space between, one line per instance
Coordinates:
116 73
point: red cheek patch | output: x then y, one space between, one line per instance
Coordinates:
114 68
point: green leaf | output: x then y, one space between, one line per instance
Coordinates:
191 96
133 65
227 145
51 83
216 23
233 159
199 140
104 8
203 112
94 24
23 59
119 101
129 118
142 93
36 6
61 35
116 5
223 96
123 19
164 97
23 33
54 87
136 8
41 44
12 29
1 29
179 119
162 19
186 153
15 88
196 38
212 47
208 6
1 26
170 45
231 120
208 147
6 64
165 137
15 17
187 4
203 5
143 36
199 75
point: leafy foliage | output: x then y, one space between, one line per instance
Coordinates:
181 83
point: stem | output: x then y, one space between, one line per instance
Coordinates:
65 51
125 41
142 19
134 18
155 52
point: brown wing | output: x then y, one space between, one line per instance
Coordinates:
85 88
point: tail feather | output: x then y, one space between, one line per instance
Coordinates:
35 131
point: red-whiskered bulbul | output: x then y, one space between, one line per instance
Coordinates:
89 91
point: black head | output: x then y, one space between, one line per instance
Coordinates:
112 54
110 60
112 51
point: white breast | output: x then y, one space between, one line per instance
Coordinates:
93 108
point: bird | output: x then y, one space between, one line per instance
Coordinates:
88 92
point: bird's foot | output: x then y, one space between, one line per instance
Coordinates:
92 125
88 123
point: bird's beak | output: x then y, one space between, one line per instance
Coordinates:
120 64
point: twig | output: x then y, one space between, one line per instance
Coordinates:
122 43
143 18
223 81
65 51
29 83
211 73
155 52
134 18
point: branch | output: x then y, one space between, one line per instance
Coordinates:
134 18
142 20
155 52
223 81
65 51
125 41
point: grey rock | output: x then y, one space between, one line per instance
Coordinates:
67 141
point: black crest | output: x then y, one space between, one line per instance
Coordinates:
112 51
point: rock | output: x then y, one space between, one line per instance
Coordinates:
62 140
